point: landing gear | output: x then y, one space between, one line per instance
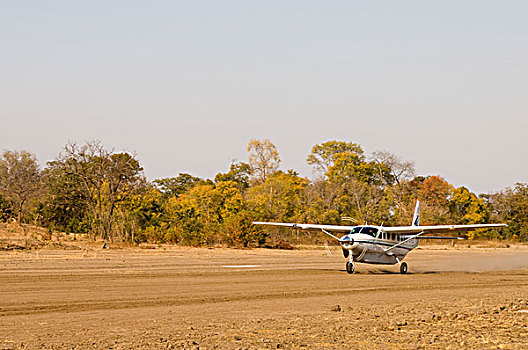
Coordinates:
403 268
350 264
350 267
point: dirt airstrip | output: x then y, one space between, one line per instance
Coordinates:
262 299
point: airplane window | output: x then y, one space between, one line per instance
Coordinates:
372 231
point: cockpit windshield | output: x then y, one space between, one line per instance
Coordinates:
365 229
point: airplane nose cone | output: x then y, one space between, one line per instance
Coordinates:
346 241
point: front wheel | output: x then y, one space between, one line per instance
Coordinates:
403 268
349 267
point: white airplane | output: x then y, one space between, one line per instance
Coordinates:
383 245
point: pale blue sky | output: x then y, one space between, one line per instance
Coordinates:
186 84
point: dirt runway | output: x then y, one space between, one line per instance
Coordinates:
262 299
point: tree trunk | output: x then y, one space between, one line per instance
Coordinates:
20 207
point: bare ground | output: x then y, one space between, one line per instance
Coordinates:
262 299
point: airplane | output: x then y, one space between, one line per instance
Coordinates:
379 244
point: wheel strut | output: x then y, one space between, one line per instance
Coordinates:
350 265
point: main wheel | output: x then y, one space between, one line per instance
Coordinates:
403 268
349 267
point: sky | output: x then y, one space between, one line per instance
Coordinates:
186 84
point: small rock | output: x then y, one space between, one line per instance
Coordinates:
336 308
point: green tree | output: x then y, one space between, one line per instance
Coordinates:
239 173
511 206
142 216
7 209
64 205
175 186
104 178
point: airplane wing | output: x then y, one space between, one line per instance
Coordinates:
331 228
325 228
398 230
403 230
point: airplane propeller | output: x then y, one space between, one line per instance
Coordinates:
346 242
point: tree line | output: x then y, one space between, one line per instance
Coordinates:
101 192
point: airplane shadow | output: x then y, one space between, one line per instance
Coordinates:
391 272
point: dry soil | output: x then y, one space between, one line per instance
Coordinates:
262 299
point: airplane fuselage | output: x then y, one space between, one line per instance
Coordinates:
370 244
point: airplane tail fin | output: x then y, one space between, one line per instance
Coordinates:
416 217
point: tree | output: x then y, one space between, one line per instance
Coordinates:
398 169
175 186
341 161
102 177
364 202
64 206
324 155
279 197
263 158
239 173
467 208
394 174
209 214
19 178
511 206
321 206
7 209
142 216
435 194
